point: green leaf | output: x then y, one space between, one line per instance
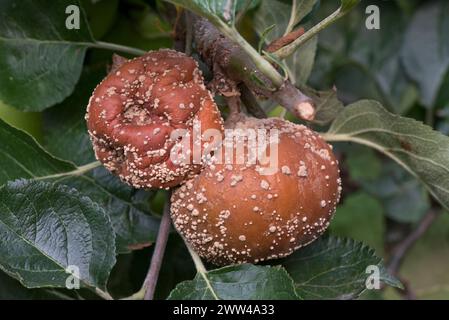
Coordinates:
360 217
277 14
242 282
11 289
347 5
331 268
45 228
300 9
425 53
134 227
243 6
282 15
31 122
39 65
389 279
65 130
364 63
138 27
442 101
22 157
100 14
212 9
290 48
149 23
263 37
301 62
416 147
403 197
221 14
363 164
270 13
443 119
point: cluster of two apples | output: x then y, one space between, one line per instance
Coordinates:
229 211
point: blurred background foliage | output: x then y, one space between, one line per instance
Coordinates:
404 65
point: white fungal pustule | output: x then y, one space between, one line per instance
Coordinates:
302 171
286 170
264 184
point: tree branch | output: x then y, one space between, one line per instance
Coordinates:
250 102
401 249
232 66
407 293
149 285
284 40
289 49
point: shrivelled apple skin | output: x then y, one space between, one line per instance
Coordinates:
134 110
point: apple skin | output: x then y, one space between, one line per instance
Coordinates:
236 212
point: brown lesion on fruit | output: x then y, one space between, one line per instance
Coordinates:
133 111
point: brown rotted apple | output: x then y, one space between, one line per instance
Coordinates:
236 212
134 110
